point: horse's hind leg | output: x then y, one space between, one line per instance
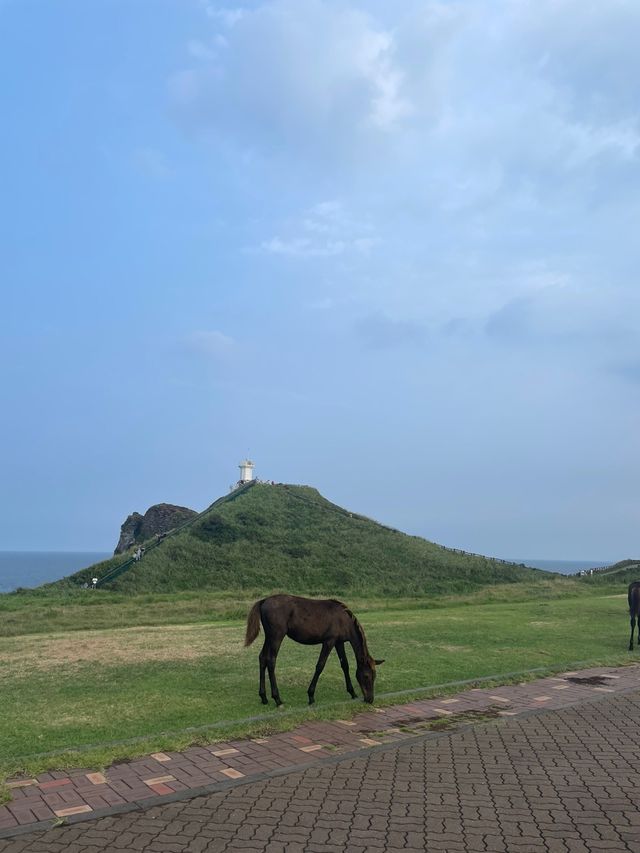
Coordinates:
327 646
633 625
344 663
271 654
264 655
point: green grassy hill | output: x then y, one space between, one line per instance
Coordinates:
621 573
290 538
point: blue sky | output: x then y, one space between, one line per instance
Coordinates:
388 250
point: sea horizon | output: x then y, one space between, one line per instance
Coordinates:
32 568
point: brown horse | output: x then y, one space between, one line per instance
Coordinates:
634 609
310 621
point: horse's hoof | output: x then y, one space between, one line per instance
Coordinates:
265 701
312 701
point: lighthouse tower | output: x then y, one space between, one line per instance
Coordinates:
246 471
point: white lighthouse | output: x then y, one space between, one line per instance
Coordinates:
246 470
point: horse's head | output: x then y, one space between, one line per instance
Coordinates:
366 675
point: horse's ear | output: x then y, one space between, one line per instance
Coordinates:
378 662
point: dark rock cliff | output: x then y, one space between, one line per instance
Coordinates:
157 519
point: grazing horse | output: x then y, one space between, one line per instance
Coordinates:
634 609
310 621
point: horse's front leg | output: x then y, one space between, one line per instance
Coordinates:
633 625
327 646
344 663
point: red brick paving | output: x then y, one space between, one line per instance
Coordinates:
550 781
57 794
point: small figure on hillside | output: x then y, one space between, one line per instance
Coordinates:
94 582
137 554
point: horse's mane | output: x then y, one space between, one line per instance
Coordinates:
357 625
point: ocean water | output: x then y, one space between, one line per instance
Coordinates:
31 568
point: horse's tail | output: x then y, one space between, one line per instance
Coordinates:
253 623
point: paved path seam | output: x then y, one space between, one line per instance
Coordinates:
162 778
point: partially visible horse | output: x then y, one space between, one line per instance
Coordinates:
634 609
310 621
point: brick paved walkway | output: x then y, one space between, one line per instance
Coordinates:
582 766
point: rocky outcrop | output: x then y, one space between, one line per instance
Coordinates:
160 518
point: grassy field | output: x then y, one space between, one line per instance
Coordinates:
75 676
72 609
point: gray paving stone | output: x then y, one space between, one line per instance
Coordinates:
557 781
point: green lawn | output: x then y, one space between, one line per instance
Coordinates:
64 689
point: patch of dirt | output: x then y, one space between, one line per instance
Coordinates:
443 724
174 642
411 724
589 679
71 720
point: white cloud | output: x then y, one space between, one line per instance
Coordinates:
488 151
320 73
446 91
228 17
152 162
184 87
210 343
303 247
382 332
205 52
325 230
374 58
563 312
